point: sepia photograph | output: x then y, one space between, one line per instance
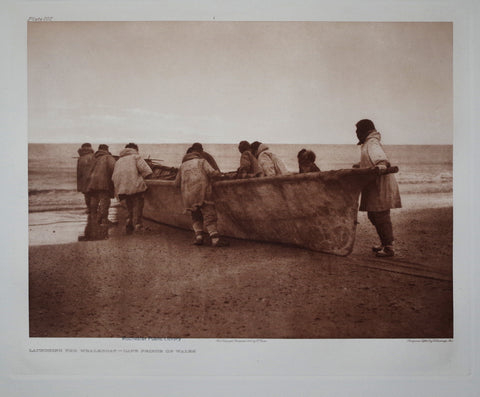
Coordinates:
240 179
239 198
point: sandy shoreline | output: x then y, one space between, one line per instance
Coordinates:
50 227
160 285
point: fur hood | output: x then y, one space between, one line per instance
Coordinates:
84 151
127 152
373 135
191 156
262 148
100 153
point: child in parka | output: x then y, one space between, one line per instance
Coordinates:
306 161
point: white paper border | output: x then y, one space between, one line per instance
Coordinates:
288 365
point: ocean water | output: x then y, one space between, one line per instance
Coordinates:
54 202
52 167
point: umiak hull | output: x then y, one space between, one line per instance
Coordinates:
317 211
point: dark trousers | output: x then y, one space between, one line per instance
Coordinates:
99 206
382 222
135 203
87 200
97 223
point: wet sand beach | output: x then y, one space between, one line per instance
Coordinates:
160 285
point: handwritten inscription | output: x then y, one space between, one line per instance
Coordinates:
40 19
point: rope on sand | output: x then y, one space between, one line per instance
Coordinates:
396 265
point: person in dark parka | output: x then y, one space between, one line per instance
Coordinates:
84 166
249 167
198 148
306 161
254 147
100 189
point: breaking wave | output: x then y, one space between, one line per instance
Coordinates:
34 192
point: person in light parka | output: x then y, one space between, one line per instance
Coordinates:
381 195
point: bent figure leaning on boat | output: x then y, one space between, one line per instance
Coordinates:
194 180
381 195
198 148
128 178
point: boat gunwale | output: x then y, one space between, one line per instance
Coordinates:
283 178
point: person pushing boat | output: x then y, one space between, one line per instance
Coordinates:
198 148
128 178
194 180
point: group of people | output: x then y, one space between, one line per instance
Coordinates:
195 175
100 177
257 160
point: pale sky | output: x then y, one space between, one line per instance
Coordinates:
222 82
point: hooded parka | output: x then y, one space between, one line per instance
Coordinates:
194 180
269 162
383 193
249 165
100 178
130 171
84 166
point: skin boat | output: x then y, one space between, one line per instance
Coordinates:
315 210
